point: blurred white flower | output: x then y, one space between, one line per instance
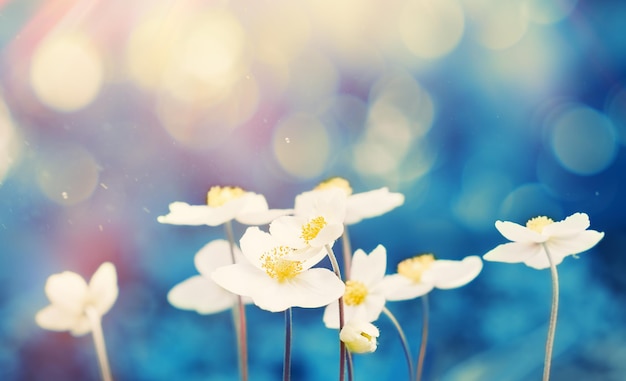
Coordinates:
417 276
364 297
359 336
71 298
275 282
567 237
200 293
360 206
223 204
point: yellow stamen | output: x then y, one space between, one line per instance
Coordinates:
413 268
355 293
538 223
218 196
335 182
278 267
312 228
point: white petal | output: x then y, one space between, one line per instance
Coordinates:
329 203
262 218
327 235
288 230
55 318
369 269
518 233
371 204
561 247
215 254
446 274
241 278
513 252
68 290
573 224
103 289
254 243
540 260
201 295
182 213
398 287
82 326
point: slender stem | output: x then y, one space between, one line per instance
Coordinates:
553 315
287 361
239 314
349 365
342 346
422 353
98 339
405 343
347 252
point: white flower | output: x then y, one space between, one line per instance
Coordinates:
274 282
223 204
318 221
364 297
417 276
567 237
359 336
360 206
70 298
200 293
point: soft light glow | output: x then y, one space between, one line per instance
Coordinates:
431 29
68 175
583 140
307 91
499 24
9 149
548 12
301 146
66 71
616 110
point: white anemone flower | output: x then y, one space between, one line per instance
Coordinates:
275 282
359 336
200 293
562 238
419 275
318 222
360 206
223 204
364 298
72 300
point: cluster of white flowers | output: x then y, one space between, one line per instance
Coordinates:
278 269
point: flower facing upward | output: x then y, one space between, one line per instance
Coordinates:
567 237
223 204
417 276
359 336
363 205
364 297
273 280
200 293
71 298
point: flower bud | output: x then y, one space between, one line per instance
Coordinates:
359 336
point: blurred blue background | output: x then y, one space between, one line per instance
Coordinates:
475 110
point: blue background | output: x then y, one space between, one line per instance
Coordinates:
477 111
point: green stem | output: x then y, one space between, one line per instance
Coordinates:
553 315
347 252
405 344
287 360
98 339
342 346
422 353
239 314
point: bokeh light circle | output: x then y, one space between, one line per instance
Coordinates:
9 148
528 201
616 111
499 24
548 12
301 146
68 175
583 140
66 72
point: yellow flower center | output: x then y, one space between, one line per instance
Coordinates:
355 293
278 267
312 228
218 196
413 268
538 223
335 182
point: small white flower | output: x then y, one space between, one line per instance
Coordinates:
223 204
567 237
70 297
364 297
417 276
360 206
273 280
200 293
359 336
